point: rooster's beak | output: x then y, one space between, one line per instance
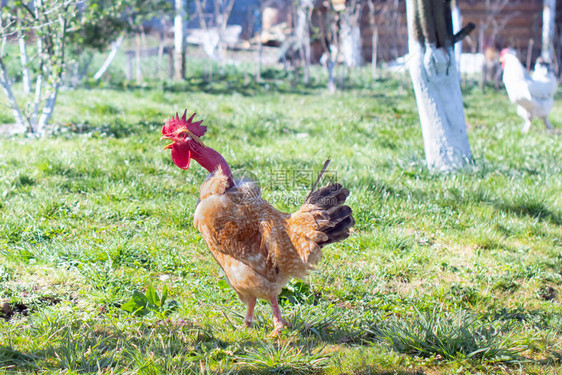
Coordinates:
166 137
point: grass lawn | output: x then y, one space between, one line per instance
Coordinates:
457 273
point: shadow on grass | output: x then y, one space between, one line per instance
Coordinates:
369 370
554 359
188 347
533 317
88 349
11 359
219 85
228 81
532 208
524 206
116 129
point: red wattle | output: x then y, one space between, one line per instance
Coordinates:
180 157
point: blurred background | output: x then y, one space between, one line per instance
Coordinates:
308 42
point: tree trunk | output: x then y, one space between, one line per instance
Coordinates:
330 40
109 59
179 41
49 107
374 53
331 76
302 35
161 52
82 72
38 80
260 58
37 100
24 60
436 85
528 61
48 110
129 68
7 86
548 27
138 58
457 25
351 38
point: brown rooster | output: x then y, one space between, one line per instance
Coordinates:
259 248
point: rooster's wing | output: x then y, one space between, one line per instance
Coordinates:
247 233
539 90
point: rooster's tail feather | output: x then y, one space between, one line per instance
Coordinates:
337 217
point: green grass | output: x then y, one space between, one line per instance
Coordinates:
456 273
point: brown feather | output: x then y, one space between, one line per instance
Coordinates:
260 248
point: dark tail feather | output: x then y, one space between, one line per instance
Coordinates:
328 196
331 199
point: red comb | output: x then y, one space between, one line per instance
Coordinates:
506 51
177 124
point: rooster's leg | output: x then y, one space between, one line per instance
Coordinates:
278 320
250 312
547 123
527 126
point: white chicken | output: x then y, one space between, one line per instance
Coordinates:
533 95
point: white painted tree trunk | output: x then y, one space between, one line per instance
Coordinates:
351 42
548 27
330 65
26 78
439 99
138 68
260 59
7 87
38 84
179 40
47 112
50 70
374 52
37 100
436 84
302 35
457 26
109 59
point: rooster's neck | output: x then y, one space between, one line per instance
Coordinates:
211 160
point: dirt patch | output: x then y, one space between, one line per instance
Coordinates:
548 293
9 310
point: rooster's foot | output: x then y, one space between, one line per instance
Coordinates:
279 325
278 322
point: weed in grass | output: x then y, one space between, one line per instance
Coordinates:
142 304
465 295
6 273
452 336
282 358
297 291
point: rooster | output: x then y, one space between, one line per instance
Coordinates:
258 247
534 95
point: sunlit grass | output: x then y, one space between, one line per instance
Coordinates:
443 273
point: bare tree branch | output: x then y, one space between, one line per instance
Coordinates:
199 7
7 86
